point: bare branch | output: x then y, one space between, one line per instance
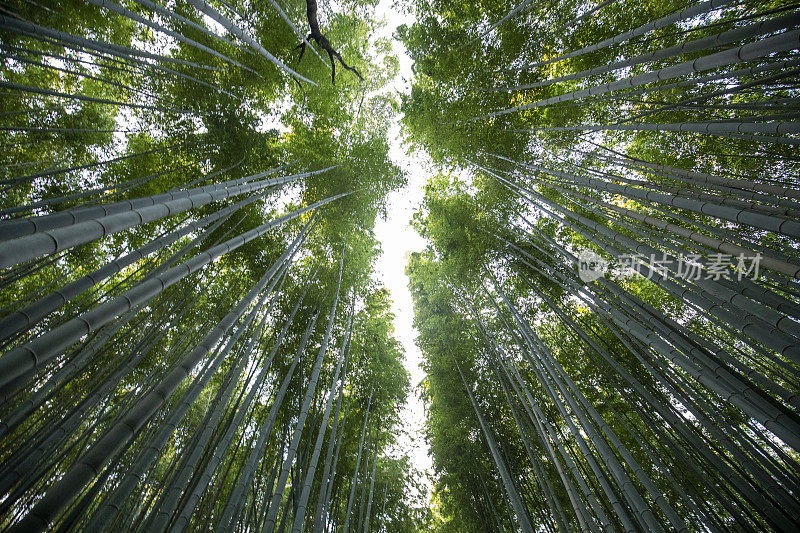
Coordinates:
322 41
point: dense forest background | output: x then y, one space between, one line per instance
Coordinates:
191 334
239 342
649 137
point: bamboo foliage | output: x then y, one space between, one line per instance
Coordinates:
595 165
156 373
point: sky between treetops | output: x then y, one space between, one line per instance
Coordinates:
398 240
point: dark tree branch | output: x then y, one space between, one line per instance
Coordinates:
322 41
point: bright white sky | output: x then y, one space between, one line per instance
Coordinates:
398 240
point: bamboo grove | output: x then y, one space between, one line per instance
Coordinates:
601 352
191 337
